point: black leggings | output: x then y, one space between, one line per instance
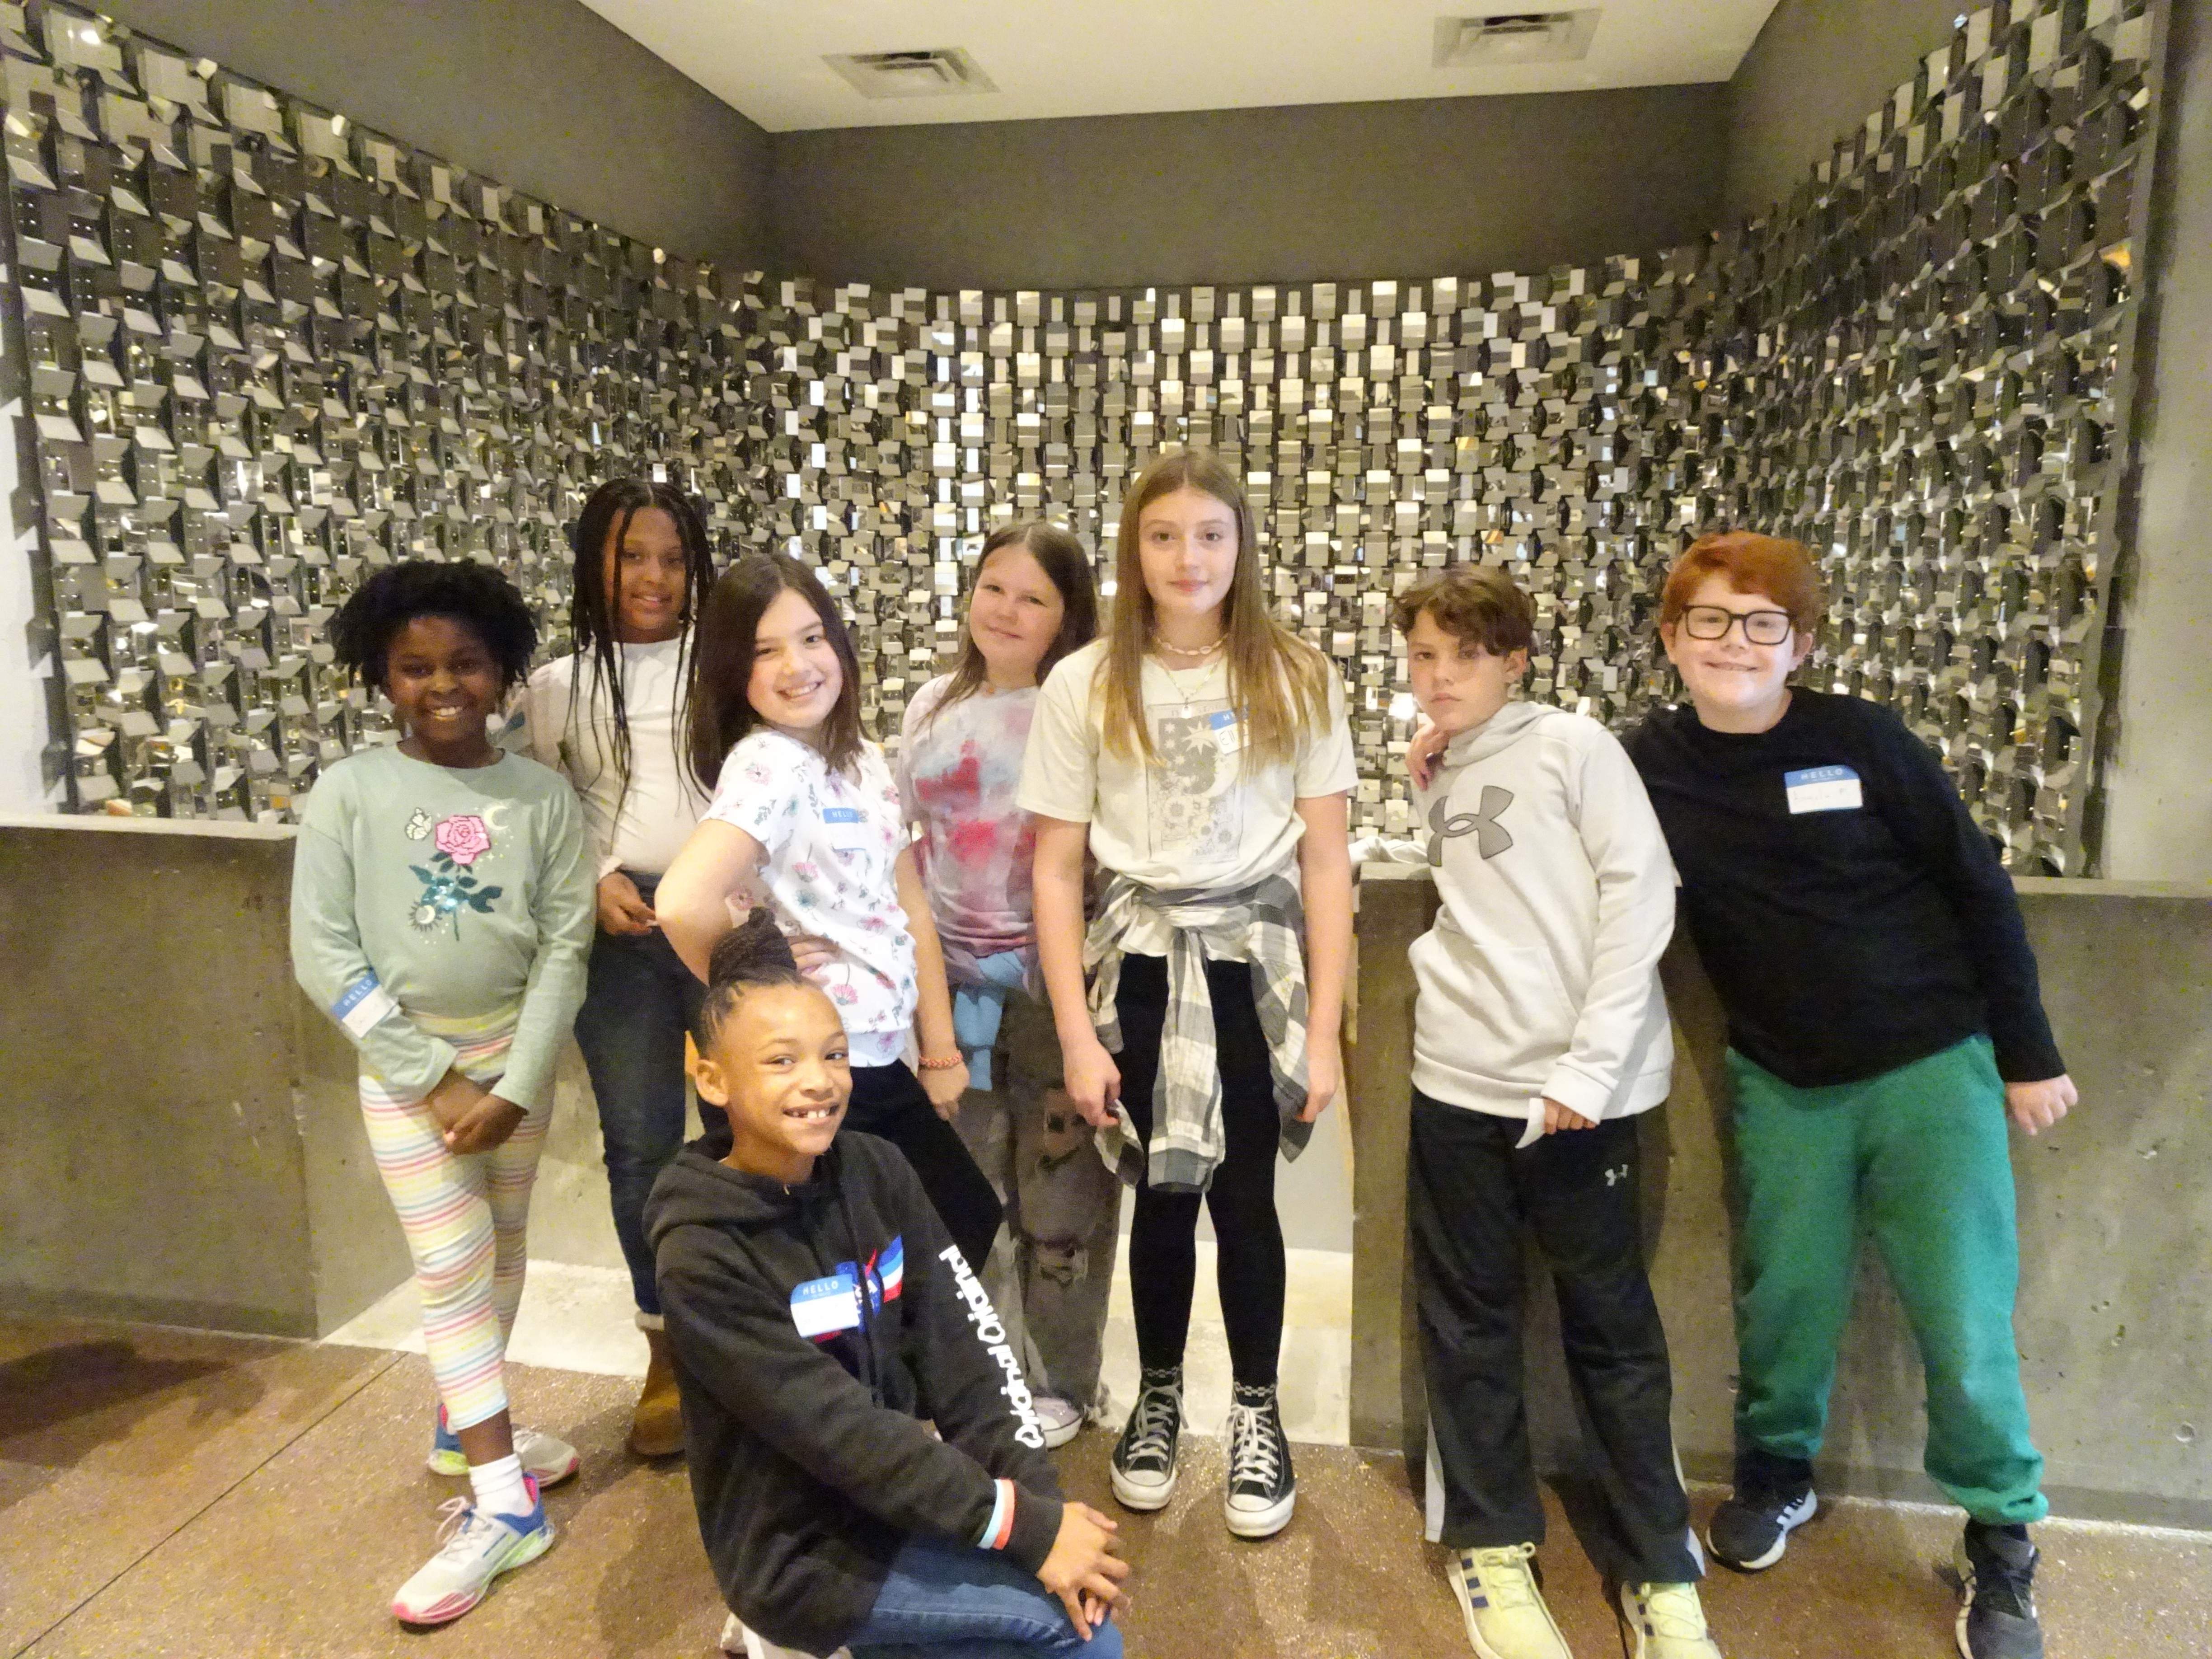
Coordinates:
889 1101
1162 1232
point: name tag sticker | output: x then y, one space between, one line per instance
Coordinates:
841 815
1228 736
361 1005
1823 789
824 1307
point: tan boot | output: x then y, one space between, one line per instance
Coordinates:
656 1428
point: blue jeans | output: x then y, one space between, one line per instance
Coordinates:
638 999
944 1602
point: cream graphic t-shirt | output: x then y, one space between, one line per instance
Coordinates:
1201 816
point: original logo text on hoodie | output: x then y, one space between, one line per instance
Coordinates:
991 1332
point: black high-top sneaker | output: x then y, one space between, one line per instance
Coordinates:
1144 1456
1263 1489
1996 1585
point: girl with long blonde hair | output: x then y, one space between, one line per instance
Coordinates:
1200 753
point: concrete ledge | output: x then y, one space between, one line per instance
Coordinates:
2115 1208
183 1135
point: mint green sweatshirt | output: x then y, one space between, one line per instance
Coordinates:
450 893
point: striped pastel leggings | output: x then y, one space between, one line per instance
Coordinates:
465 1216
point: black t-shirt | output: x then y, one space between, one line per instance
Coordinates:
1850 912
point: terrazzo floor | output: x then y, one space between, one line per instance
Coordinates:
166 1492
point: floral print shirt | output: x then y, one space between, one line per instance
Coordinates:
450 893
832 843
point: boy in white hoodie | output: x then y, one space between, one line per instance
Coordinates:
1539 1033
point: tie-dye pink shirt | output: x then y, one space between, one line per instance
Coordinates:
956 775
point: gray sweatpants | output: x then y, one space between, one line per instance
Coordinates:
1052 1267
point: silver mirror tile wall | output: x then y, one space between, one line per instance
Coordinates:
265 349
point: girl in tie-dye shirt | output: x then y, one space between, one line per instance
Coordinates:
960 759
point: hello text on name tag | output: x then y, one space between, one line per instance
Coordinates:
822 1307
1823 789
1228 736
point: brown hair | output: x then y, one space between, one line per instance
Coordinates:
1768 566
1476 604
722 663
1278 683
1061 556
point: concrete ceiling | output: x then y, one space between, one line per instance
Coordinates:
1062 57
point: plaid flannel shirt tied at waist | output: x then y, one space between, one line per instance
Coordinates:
1266 919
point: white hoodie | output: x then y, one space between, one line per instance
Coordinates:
1541 975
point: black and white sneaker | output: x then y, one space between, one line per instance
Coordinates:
1262 1488
1144 1456
1996 1585
1773 1495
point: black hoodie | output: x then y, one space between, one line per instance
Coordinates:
811 1465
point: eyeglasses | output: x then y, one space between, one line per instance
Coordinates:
1712 622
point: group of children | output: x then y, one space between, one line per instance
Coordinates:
1096 920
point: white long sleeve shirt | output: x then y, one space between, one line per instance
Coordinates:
644 828
1541 975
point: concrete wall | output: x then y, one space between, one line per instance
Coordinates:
182 1134
1414 188
544 95
183 1139
2115 1206
1817 69
2158 803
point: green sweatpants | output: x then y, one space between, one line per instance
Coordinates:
1918 1156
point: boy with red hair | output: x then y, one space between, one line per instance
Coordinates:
1884 1018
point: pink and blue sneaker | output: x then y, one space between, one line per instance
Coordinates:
474 1549
549 1462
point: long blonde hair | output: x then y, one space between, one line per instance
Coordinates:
1278 683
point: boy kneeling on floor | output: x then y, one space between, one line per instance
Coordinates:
821 1319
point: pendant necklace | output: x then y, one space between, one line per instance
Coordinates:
1162 649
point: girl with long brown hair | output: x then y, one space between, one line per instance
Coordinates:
1031 603
1199 753
805 817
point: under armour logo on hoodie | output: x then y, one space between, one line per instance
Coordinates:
1492 837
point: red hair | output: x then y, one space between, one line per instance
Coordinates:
1767 565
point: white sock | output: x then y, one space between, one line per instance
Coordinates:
499 1487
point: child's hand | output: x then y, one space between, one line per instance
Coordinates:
811 952
2036 1106
1324 1073
622 909
454 1098
1093 1080
1558 1117
1423 750
487 1126
944 1084
1083 1570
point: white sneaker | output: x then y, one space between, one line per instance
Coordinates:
1062 1422
475 1548
1505 1615
752 1644
547 1460
1664 1621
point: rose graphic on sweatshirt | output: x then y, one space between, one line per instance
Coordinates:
449 885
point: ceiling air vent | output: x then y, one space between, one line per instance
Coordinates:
941 72
1514 37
